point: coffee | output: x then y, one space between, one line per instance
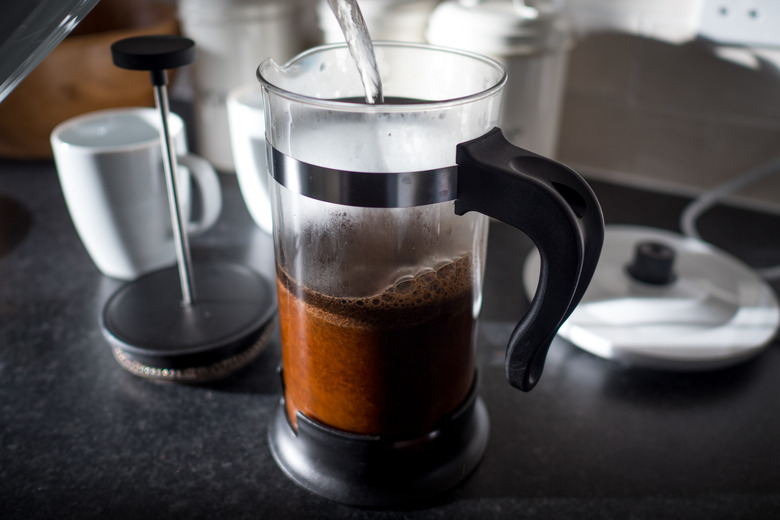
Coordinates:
392 364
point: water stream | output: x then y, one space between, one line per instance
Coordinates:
360 47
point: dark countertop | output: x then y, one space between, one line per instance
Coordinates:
81 438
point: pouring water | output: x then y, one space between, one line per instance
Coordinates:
360 47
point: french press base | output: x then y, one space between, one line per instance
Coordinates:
155 336
371 471
158 325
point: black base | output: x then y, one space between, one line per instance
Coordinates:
196 374
369 471
225 326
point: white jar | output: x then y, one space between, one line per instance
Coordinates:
231 38
532 41
396 20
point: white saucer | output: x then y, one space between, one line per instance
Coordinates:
716 313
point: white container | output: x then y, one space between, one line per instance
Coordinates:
532 42
232 37
247 135
396 20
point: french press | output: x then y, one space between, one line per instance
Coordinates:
380 231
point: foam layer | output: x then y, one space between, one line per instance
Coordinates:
412 299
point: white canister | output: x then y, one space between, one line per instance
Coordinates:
532 40
396 20
232 37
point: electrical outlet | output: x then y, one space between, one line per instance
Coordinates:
741 22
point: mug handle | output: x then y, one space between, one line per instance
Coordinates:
557 209
207 183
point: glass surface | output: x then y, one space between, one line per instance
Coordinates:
308 119
378 306
30 30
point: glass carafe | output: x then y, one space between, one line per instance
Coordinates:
380 228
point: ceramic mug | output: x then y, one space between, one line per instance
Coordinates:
247 139
110 167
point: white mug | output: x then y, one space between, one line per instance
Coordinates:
247 138
111 172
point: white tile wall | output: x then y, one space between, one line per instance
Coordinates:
670 116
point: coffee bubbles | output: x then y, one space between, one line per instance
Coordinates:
392 363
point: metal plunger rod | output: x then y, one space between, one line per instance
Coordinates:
156 54
180 238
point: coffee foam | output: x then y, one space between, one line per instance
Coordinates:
447 288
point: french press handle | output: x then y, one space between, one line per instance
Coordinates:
558 211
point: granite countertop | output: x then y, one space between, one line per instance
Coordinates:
81 438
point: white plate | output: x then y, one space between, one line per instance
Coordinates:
716 313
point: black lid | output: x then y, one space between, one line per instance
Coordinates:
146 319
154 52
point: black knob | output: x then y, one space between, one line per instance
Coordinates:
155 53
653 263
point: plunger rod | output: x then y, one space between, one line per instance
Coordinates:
180 238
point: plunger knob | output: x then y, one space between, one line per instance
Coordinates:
155 53
653 263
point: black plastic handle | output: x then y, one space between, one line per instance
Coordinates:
557 209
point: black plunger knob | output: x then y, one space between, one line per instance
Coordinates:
155 53
653 263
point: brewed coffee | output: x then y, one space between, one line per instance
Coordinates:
392 364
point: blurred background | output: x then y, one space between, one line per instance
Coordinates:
671 95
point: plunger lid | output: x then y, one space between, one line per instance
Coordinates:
705 310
